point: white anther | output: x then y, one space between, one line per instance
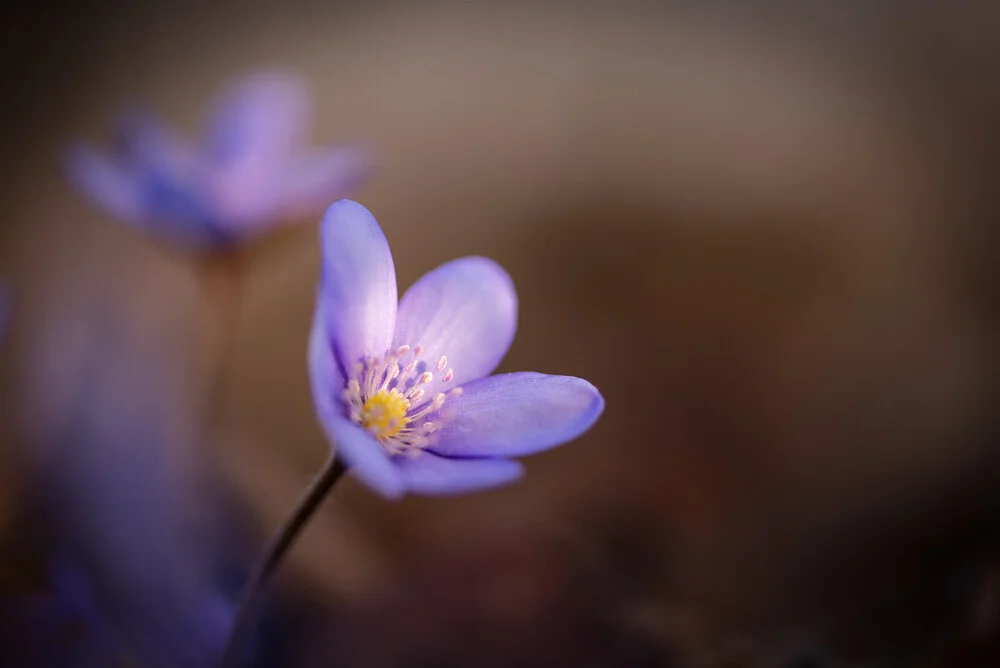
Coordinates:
442 363
448 375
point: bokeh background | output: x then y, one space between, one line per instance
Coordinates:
765 230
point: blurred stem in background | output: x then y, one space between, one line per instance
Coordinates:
283 539
222 276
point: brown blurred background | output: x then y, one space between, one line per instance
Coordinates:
765 231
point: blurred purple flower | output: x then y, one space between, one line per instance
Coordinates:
4 310
125 521
250 173
403 388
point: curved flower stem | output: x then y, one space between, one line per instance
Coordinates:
274 553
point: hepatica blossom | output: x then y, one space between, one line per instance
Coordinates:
249 173
403 387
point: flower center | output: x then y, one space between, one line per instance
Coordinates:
395 398
384 413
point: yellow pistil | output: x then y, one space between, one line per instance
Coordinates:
384 413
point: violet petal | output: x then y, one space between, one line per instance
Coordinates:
363 456
466 310
325 376
516 414
358 283
433 475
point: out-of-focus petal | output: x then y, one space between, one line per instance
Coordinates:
465 309
182 214
260 118
141 140
358 283
112 186
145 196
516 414
122 496
364 457
258 123
432 475
310 182
4 310
242 207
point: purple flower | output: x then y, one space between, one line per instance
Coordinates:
403 389
4 310
249 174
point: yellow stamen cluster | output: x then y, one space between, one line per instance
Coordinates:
384 413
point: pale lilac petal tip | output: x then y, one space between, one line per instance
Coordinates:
516 414
358 283
465 310
439 476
